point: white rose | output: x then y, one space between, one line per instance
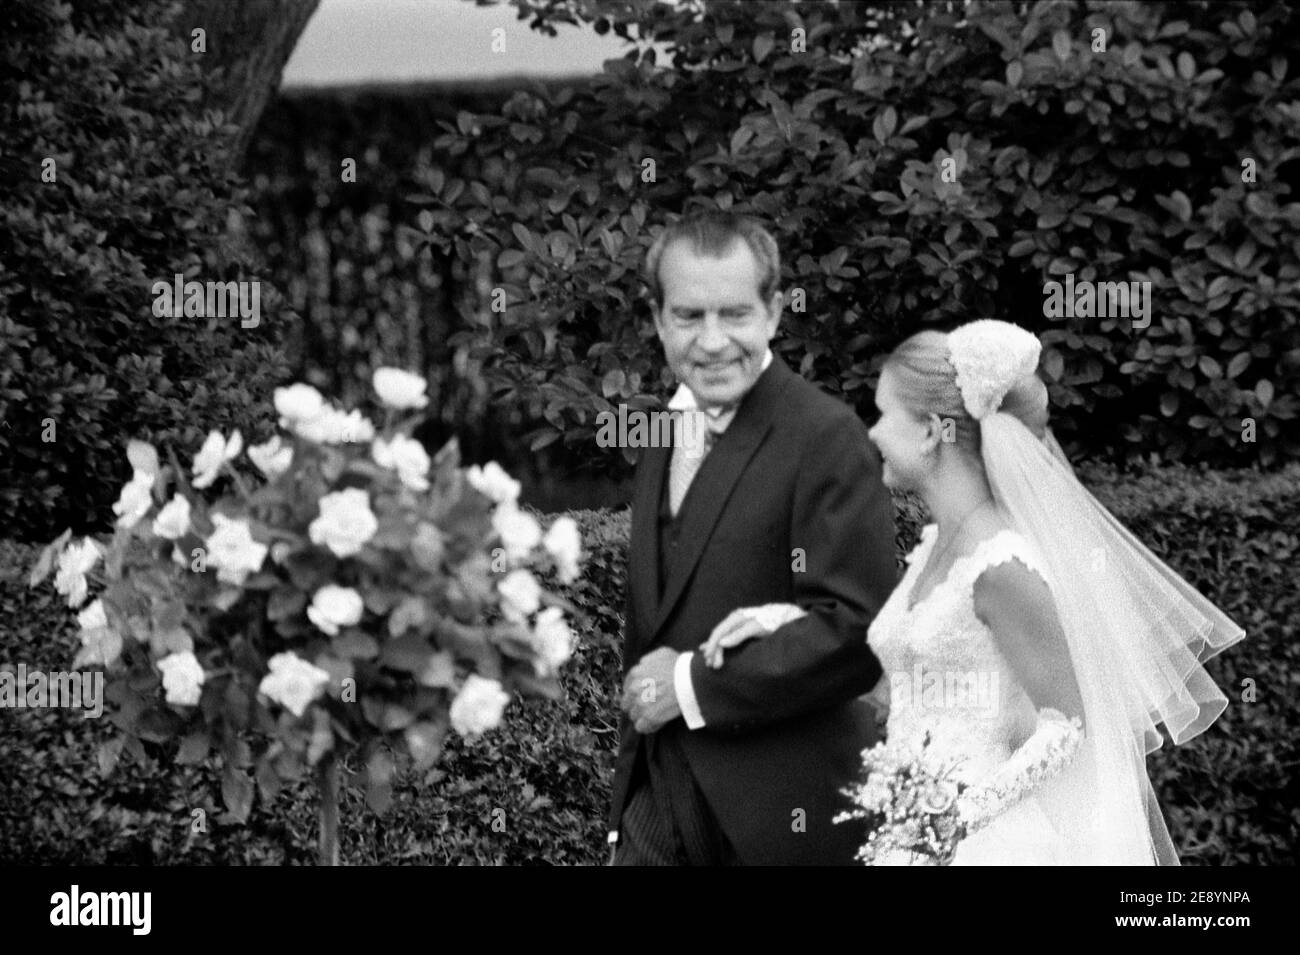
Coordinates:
298 403
520 594
293 682
405 455
271 457
564 543
75 562
135 500
400 389
519 532
552 639
215 452
182 678
232 550
493 482
335 427
173 520
333 607
353 428
345 523
93 617
478 706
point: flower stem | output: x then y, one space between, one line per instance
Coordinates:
327 774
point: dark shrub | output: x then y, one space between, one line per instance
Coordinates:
141 194
1169 158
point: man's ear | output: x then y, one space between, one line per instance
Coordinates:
656 316
775 306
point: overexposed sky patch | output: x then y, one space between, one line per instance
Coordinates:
361 41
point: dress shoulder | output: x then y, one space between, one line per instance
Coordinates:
1007 544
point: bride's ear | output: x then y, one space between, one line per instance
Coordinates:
934 427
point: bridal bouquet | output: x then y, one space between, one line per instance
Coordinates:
910 800
364 599
919 810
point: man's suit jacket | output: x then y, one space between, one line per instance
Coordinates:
794 474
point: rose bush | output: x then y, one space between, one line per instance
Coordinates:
365 596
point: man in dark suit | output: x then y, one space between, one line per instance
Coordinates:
781 502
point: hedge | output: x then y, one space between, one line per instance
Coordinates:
1153 142
543 778
112 179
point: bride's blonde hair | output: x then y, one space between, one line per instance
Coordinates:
927 384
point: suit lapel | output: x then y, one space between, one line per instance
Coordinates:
714 482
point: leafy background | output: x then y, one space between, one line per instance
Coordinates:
1125 164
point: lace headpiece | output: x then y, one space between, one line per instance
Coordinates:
990 357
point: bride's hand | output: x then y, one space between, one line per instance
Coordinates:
744 624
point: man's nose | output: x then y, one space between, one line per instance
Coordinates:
712 338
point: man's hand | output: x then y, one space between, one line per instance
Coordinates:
649 698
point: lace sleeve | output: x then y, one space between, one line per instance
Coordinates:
1047 752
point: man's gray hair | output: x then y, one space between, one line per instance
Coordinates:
714 233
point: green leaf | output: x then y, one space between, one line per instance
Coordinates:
1061 45
194 748
237 792
885 124
1218 286
109 754
409 653
613 383
424 741
1239 363
1015 73
1051 219
285 602
411 613
354 644
396 717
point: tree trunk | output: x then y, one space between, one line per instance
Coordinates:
250 40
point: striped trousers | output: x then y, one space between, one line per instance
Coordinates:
666 819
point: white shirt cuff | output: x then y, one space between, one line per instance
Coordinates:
685 691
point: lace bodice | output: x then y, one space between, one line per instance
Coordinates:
943 671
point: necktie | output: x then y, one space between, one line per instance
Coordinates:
696 438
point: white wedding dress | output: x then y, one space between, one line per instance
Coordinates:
934 655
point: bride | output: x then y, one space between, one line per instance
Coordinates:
1042 626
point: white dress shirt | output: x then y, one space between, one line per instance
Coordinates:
685 400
